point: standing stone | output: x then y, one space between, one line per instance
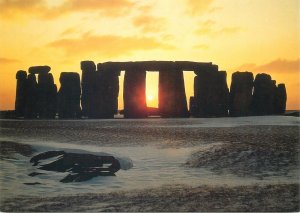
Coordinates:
263 95
46 91
69 95
221 94
211 93
106 91
21 93
88 85
193 106
280 98
135 93
172 98
32 97
52 97
43 94
241 94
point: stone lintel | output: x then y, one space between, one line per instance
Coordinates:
156 65
39 69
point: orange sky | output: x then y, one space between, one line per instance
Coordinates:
254 35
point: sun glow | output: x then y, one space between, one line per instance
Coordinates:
152 89
150 97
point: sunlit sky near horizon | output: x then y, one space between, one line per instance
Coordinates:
238 35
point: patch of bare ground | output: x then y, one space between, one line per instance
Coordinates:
261 158
8 149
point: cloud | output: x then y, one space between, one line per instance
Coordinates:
229 30
208 22
8 61
209 28
108 8
11 9
149 23
205 31
145 8
107 45
275 66
201 46
69 31
198 7
14 9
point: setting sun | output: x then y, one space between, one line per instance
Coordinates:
150 98
152 89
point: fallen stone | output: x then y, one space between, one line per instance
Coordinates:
81 167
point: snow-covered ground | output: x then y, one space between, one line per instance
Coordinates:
154 153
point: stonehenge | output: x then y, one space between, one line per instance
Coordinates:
95 95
